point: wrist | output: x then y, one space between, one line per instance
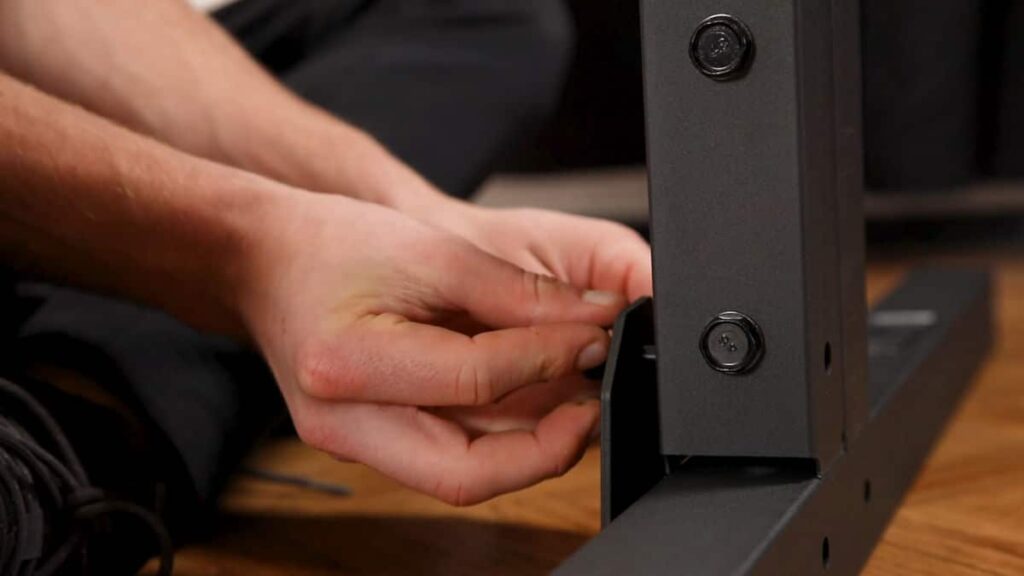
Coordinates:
284 230
245 216
322 154
319 153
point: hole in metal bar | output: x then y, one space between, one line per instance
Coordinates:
824 552
828 357
867 491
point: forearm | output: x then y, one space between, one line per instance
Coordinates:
89 203
167 71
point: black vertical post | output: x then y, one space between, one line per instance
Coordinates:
847 67
756 167
748 113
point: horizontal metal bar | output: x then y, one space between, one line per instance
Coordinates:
729 516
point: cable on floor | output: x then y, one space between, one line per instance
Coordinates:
47 505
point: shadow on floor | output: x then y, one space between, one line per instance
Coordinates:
387 545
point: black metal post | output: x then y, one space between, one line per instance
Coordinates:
747 217
761 437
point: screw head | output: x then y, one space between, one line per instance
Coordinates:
721 47
732 343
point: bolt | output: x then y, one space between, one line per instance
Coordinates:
721 47
732 343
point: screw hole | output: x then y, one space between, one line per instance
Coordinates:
867 491
828 357
824 552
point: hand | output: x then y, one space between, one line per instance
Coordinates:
584 252
374 323
587 253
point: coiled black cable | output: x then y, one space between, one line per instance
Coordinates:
47 504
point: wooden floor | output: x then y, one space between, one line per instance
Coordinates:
965 515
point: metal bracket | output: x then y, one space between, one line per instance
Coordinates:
631 460
777 516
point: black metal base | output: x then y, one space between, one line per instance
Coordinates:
766 516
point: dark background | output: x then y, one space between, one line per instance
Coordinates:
943 93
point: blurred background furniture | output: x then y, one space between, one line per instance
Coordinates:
943 126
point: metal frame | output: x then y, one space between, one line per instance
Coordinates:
744 187
794 466
778 516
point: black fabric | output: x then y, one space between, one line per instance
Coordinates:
921 92
53 520
210 396
1007 157
943 92
600 119
159 414
448 85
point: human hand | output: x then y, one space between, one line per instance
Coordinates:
585 252
588 253
374 324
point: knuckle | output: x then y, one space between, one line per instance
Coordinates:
458 492
449 254
549 360
315 374
630 238
547 366
473 385
451 494
563 463
461 483
535 287
625 231
563 460
329 375
314 433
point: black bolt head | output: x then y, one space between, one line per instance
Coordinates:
721 47
732 343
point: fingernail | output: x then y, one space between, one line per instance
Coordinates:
600 297
592 356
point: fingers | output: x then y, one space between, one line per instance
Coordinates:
503 295
385 358
623 266
523 408
596 254
640 275
435 456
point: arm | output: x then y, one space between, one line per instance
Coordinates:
172 73
169 72
370 320
86 202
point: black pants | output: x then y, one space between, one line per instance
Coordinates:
448 85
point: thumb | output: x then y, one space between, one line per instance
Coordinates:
502 295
